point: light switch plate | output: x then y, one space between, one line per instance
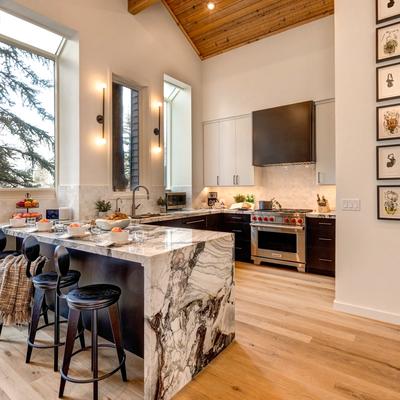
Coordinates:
351 204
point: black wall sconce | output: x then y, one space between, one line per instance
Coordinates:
100 117
157 131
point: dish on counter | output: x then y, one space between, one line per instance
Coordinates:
114 220
77 230
118 235
17 222
44 225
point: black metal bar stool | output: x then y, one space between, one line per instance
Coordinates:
89 298
3 244
43 283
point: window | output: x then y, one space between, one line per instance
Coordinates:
125 137
27 104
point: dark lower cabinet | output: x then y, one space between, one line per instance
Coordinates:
239 224
321 246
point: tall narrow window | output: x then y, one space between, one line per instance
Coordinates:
125 142
27 103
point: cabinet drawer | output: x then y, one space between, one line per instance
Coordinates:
322 240
321 265
242 250
195 222
234 218
322 225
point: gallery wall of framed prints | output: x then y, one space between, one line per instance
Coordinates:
388 108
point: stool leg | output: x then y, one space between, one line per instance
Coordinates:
113 313
37 306
81 328
73 319
94 355
56 330
44 312
1 327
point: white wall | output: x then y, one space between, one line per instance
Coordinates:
368 257
138 48
290 67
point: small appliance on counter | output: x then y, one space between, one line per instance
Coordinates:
175 201
212 199
61 213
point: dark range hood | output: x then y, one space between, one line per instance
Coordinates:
284 135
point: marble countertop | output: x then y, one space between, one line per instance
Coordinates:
331 215
152 241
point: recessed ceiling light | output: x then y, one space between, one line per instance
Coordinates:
210 5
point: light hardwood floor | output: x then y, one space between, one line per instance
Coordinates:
290 345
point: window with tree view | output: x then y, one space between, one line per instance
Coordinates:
27 104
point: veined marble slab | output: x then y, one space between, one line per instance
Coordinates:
189 298
331 215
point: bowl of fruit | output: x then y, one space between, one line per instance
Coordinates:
114 220
118 235
17 221
76 230
44 225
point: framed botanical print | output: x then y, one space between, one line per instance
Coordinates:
388 42
388 162
388 122
388 82
387 10
389 202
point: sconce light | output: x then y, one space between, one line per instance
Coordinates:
157 131
100 117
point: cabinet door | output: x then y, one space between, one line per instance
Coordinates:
325 137
244 151
227 152
211 154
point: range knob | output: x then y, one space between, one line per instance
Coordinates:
287 220
266 219
293 220
260 219
254 218
300 221
272 219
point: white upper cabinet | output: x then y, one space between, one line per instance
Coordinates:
325 142
228 153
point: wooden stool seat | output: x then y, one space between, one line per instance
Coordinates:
93 297
48 280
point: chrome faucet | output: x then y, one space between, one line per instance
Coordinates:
134 206
117 200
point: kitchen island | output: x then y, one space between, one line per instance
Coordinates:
177 303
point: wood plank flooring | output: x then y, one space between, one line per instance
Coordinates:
290 345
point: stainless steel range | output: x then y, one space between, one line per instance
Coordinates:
278 236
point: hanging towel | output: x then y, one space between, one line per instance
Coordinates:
16 289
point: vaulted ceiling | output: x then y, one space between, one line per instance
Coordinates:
234 23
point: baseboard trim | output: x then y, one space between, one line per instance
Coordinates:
366 312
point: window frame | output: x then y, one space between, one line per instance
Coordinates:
143 97
50 192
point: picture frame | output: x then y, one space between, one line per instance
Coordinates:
388 202
388 42
388 162
388 82
388 122
387 10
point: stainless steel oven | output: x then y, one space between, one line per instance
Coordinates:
279 237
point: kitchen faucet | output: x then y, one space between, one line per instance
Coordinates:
117 200
134 206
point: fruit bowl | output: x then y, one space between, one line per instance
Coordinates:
76 230
17 222
117 235
108 225
44 225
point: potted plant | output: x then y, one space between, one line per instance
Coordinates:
162 204
239 198
102 207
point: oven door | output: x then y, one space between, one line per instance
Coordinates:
278 242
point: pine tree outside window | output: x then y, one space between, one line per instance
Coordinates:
28 56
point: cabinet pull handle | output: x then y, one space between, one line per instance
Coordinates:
319 177
237 230
325 259
234 181
325 239
238 218
238 248
325 223
195 222
237 179
217 180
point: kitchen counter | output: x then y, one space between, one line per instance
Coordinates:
177 304
331 215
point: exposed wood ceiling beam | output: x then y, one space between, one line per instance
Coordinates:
136 6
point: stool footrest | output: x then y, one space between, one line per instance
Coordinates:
105 376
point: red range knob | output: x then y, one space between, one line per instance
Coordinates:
287 220
272 219
299 221
266 219
293 220
260 219
254 218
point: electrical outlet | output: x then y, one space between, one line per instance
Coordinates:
351 204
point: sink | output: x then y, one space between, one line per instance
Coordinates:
142 216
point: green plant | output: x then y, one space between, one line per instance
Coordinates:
239 198
161 202
103 206
250 198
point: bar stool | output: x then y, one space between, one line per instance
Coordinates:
44 283
89 298
3 244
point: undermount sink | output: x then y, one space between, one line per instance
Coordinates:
142 216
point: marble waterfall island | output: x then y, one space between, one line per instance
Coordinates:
177 304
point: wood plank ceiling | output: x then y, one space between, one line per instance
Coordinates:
234 23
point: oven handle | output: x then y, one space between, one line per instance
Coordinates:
268 227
